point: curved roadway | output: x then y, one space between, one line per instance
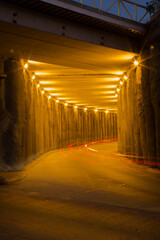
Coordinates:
82 193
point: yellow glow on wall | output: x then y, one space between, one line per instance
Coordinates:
41 73
112 78
49 89
109 86
31 61
128 57
71 101
54 94
119 73
46 82
107 97
105 92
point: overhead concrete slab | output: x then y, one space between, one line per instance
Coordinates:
78 71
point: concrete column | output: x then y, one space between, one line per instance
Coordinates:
148 107
155 95
15 105
5 118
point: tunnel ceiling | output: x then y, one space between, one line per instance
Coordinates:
92 84
82 73
68 66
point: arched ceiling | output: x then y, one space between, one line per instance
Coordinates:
92 80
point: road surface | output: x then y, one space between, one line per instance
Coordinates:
82 193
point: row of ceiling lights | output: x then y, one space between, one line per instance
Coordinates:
136 63
33 77
124 78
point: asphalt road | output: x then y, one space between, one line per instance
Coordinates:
82 193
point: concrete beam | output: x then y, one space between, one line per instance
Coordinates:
59 27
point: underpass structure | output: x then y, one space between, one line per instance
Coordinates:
66 69
79 95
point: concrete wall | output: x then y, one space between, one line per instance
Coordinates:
139 110
32 124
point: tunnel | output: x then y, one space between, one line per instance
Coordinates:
47 106
79 120
73 91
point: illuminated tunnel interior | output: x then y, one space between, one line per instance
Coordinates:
79 120
48 106
58 90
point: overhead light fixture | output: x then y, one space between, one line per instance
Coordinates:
116 95
136 63
125 77
106 111
42 91
38 85
95 110
75 106
57 100
49 97
33 77
26 65
121 82
118 89
66 104
85 109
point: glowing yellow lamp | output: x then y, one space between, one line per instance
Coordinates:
136 63
26 65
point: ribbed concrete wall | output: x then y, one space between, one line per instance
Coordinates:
139 110
32 124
